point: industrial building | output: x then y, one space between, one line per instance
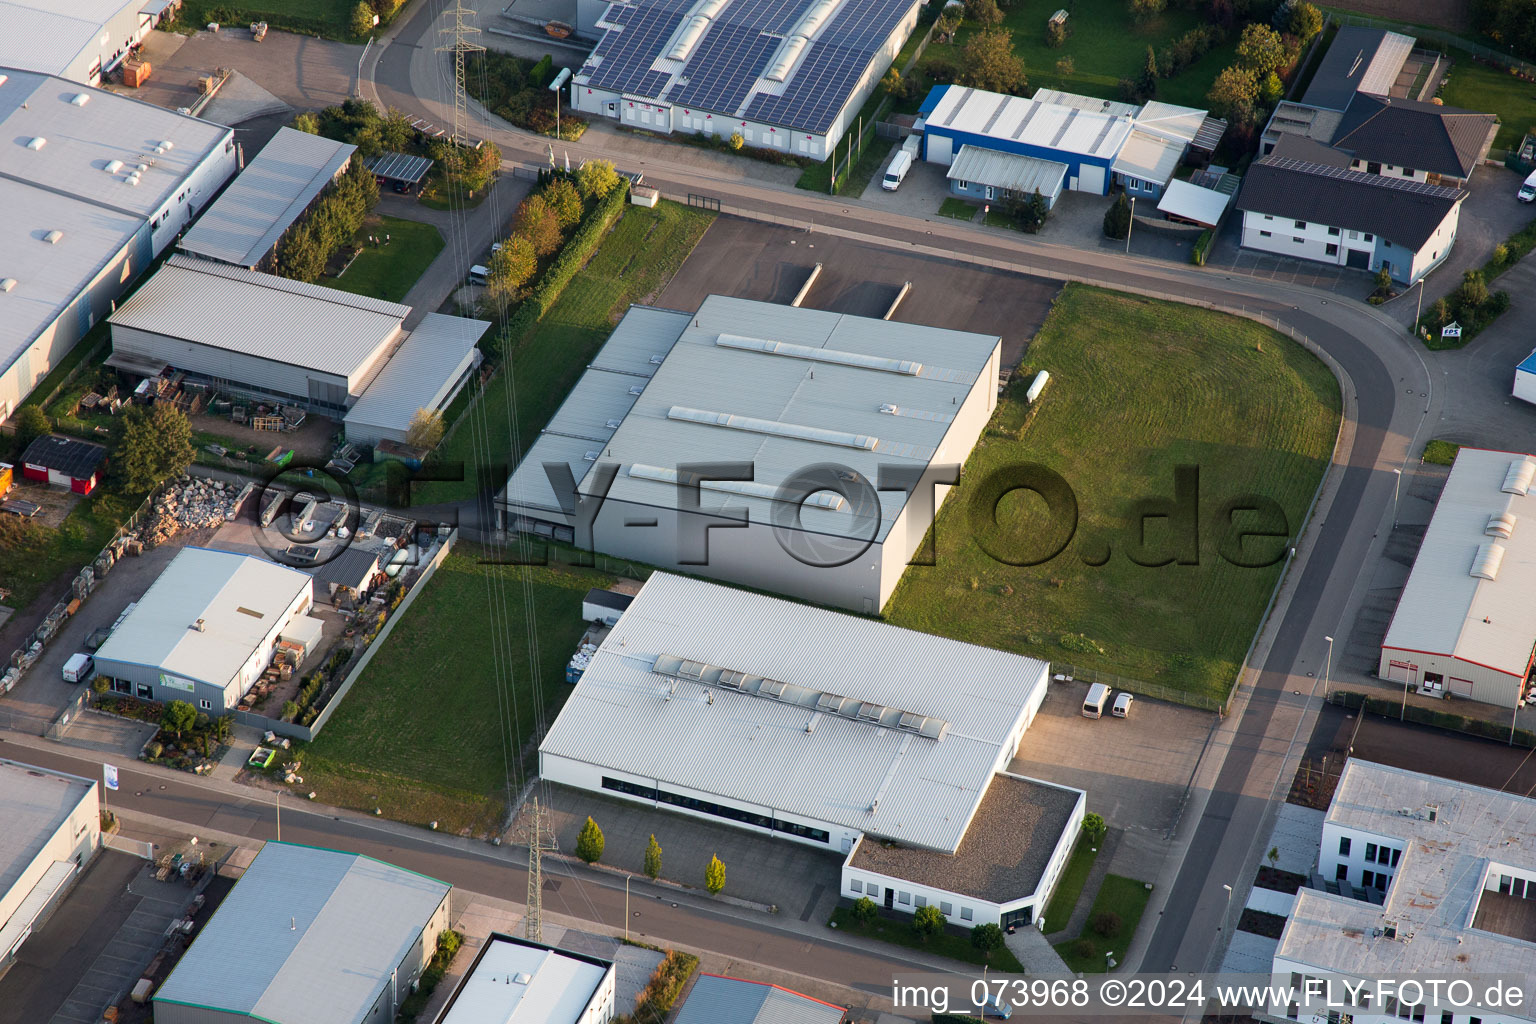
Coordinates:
716 999
1465 625
802 412
789 75
858 735
63 462
52 830
244 225
309 936
271 338
519 981
1417 876
80 40
94 186
998 146
205 629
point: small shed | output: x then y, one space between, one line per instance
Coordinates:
1193 204
63 462
604 606
351 570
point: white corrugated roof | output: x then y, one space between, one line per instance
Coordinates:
306 936
923 790
1081 102
34 802
1202 205
1385 66
1022 174
238 597
517 983
1438 881
1068 129
263 315
244 223
1149 156
1444 609
420 373
47 35
1171 120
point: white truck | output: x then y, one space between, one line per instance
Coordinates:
79 668
900 164
1527 191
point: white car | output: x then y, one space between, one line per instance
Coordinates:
1527 191
1122 708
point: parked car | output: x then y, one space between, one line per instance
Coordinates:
479 274
1527 191
1098 696
1122 708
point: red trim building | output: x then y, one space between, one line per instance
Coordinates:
63 462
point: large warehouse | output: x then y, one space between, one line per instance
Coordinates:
804 408
244 224
856 734
205 629
80 39
519 981
93 185
309 936
274 339
1465 625
788 75
52 829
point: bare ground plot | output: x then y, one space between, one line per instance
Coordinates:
750 260
299 70
56 502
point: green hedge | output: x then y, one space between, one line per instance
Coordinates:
955 1018
572 258
1393 708
1201 247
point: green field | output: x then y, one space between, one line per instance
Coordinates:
26 570
423 735
959 209
633 264
1477 86
1064 900
1138 387
388 271
1122 896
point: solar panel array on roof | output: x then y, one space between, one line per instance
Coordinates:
724 68
627 53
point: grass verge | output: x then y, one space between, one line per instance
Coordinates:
388 271
1441 453
634 263
1058 913
424 735
1124 897
958 208
955 943
1138 388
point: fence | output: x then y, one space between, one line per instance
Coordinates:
134 847
1140 687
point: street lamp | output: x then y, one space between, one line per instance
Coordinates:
1397 483
1327 667
1227 910
554 87
1129 226
626 908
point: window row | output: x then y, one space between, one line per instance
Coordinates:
907 899
726 811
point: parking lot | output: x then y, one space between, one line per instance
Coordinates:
751 260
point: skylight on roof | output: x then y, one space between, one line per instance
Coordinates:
773 428
906 367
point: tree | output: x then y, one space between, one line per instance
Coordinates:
1146 10
31 423
153 445
1302 19
425 430
589 844
865 910
1439 313
1055 34
536 222
736 141
1094 826
1106 923
596 178
714 875
1472 293
1117 224
1261 50
988 62
928 921
891 84
564 198
362 19
511 267
468 169
1271 89
988 938
178 717
1029 214
396 131
653 859
985 13
1146 84
1232 95
299 255
99 685
307 123
948 24
1066 67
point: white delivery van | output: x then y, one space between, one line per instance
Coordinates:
79 668
900 164
1093 705
1527 191
479 274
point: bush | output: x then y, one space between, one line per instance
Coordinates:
714 875
290 710
865 910
154 750
1094 826
1201 248
666 984
653 858
1055 34
987 938
589 844
1083 948
1117 224
928 921
1106 923
736 141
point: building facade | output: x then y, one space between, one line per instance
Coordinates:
52 831
519 981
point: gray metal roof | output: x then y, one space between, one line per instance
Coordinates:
244 223
237 596
1407 133
34 802
263 315
923 784
645 335
1444 609
48 35
307 936
1012 171
716 999
420 373
1358 60
805 387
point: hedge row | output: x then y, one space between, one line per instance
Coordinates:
1201 248
572 258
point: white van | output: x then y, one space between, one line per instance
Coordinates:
1527 191
1098 696
79 668
901 163
479 274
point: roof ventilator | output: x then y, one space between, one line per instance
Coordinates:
36 143
54 237
1486 565
1500 524
1518 479
81 99
7 283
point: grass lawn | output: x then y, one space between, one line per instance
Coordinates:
633 264
818 177
1059 911
1188 88
1441 453
1138 387
1479 87
999 219
421 735
957 208
27 570
388 271
955 943
331 18
1119 895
